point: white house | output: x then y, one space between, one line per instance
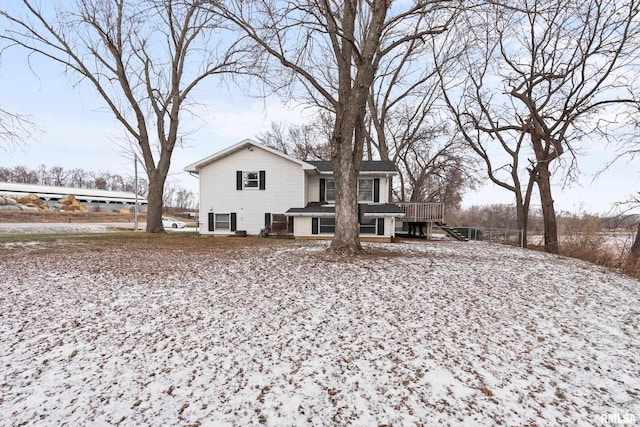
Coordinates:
250 187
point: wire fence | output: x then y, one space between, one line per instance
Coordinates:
507 236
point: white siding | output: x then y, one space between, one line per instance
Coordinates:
285 182
314 189
302 226
389 227
384 191
305 188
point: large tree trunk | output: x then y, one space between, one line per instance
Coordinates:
346 239
522 218
346 166
347 143
154 208
634 255
155 203
548 211
522 208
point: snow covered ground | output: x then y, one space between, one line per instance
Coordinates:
77 227
415 333
32 227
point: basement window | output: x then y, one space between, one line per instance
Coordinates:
327 225
222 222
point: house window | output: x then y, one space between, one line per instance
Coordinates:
365 190
330 190
279 223
250 179
327 225
368 226
222 222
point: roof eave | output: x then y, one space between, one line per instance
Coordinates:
195 167
384 214
311 214
363 173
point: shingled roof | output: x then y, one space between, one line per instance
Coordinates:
384 209
365 166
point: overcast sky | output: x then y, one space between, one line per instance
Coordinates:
77 132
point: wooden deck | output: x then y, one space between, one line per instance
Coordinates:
418 216
422 212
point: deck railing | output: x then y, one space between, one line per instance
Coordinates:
422 212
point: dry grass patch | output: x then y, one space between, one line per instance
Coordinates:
140 243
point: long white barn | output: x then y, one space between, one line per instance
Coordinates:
52 194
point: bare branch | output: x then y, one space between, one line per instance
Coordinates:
143 59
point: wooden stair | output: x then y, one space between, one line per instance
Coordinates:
451 232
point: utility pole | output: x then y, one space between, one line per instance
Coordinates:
135 171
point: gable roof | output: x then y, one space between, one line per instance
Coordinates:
366 166
195 167
319 166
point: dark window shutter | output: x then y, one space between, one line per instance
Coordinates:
314 225
376 190
238 180
233 222
211 221
263 183
267 219
362 209
323 183
380 226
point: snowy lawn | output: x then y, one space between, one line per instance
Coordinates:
281 333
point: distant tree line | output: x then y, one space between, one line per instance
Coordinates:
504 216
174 195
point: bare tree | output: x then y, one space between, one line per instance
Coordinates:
100 183
628 217
628 146
331 51
634 253
5 174
304 142
14 129
59 176
116 182
45 178
405 125
184 199
432 170
143 58
549 70
79 178
465 65
491 216
22 175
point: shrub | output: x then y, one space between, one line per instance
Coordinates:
582 237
